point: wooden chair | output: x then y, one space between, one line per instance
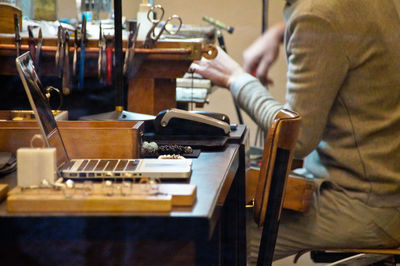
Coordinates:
271 193
276 164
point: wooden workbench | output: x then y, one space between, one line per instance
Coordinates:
208 233
151 91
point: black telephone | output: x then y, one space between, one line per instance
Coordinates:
181 122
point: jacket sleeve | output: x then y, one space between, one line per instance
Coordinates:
317 67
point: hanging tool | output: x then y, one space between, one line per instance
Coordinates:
35 51
158 11
102 60
31 42
60 51
75 55
128 45
82 54
66 77
130 50
109 52
17 35
152 37
39 48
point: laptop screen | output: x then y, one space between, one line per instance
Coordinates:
40 106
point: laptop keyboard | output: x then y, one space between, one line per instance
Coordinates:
99 168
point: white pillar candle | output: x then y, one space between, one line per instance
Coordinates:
34 165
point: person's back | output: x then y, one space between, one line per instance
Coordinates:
343 79
360 147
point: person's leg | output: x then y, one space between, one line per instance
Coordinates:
337 221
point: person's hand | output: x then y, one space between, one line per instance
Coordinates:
258 58
221 70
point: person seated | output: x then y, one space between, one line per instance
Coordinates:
343 79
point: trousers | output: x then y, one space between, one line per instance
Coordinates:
334 220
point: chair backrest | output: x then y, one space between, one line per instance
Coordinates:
275 166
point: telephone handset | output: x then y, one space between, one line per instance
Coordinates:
181 122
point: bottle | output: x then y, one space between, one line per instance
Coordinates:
145 24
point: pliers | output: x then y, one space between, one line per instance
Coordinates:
130 50
60 51
75 55
102 61
17 35
82 54
66 76
39 47
35 51
109 53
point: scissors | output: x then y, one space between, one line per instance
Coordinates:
152 37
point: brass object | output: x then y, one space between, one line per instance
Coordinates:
18 115
209 51
250 204
119 108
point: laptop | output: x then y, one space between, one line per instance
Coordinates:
89 168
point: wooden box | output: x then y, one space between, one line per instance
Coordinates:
7 12
83 139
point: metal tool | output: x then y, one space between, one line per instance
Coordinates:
218 24
130 50
109 53
60 51
39 47
152 38
31 42
35 51
128 45
66 77
82 54
17 35
102 60
158 12
75 55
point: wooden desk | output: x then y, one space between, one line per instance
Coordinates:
154 88
210 233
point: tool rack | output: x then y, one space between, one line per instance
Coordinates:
151 91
